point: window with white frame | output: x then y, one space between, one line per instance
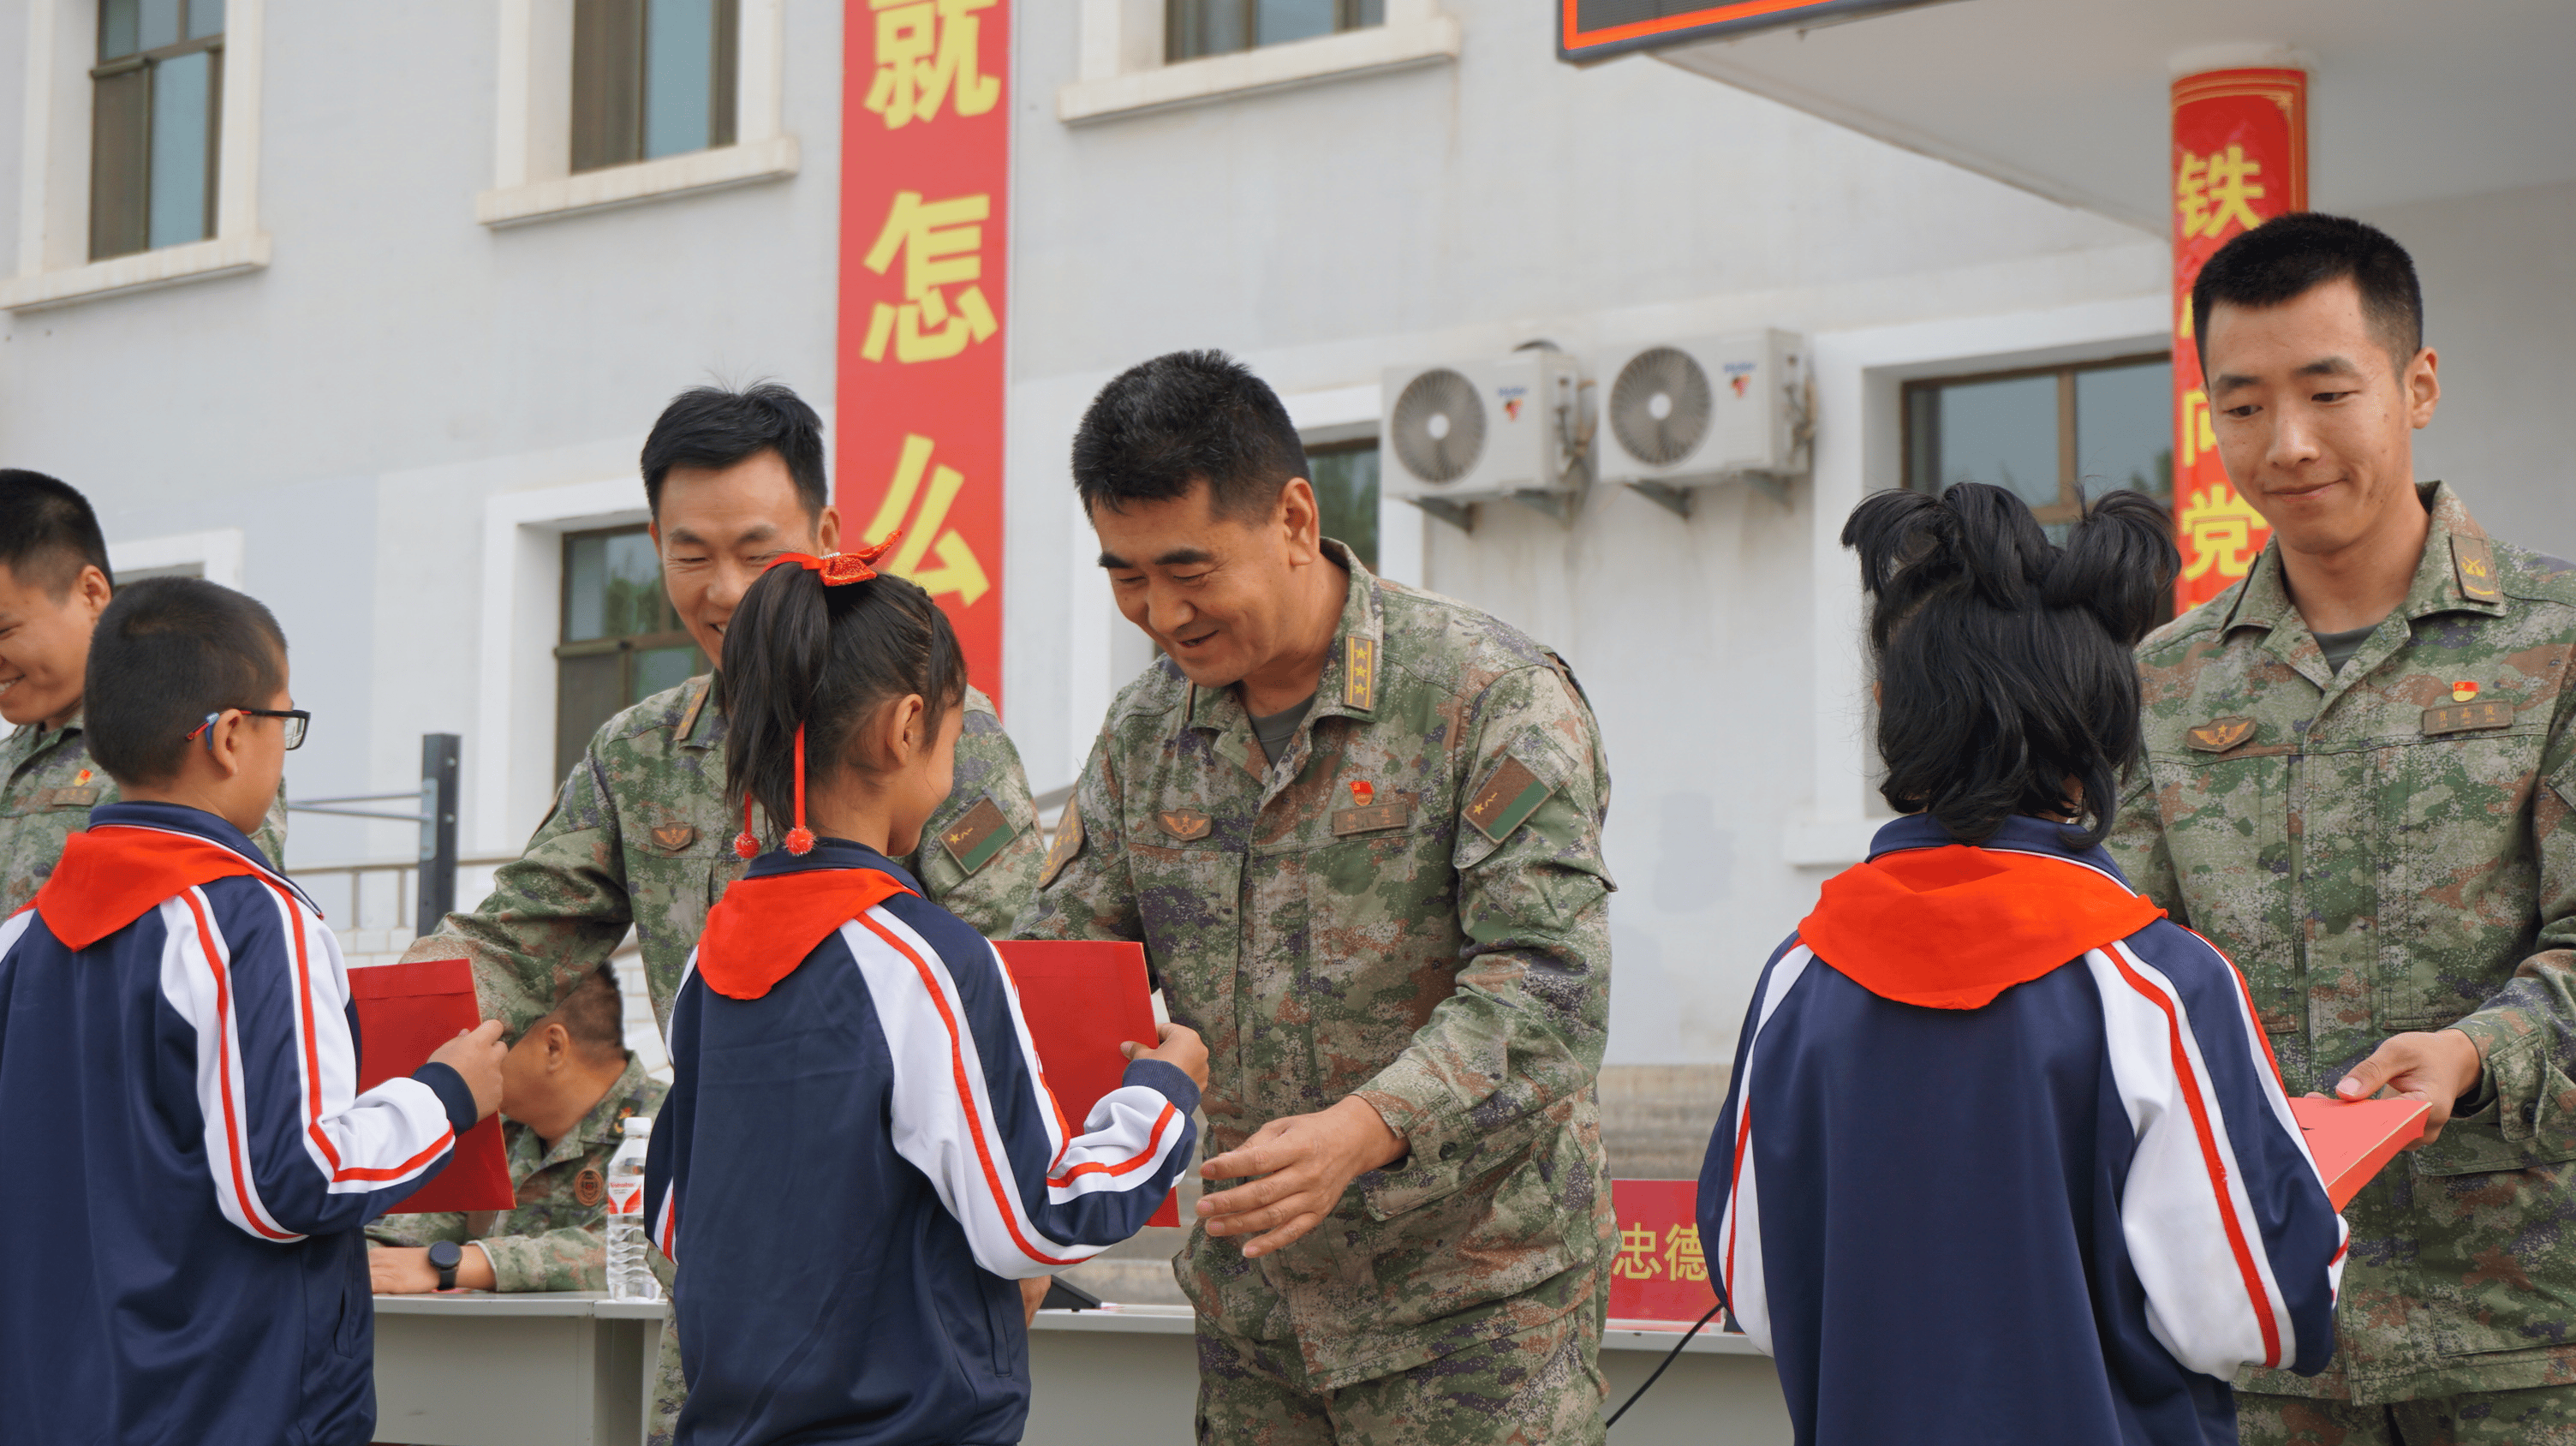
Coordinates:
2043 433
1193 28
650 78
155 117
1147 55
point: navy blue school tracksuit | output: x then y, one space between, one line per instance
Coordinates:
858 1160
187 1160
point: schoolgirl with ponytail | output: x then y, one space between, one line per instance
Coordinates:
2005 1158
858 1157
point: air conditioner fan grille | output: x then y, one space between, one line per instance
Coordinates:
1660 406
1439 426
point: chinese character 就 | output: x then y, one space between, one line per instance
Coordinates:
1682 1257
2218 529
1636 1254
942 245
926 50
2215 190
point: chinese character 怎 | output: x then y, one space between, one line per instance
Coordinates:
2218 529
926 532
1682 1257
925 49
2213 190
1636 1254
942 244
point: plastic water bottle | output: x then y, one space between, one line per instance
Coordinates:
630 1271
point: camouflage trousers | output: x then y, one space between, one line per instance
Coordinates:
1542 1387
670 1388
2540 1416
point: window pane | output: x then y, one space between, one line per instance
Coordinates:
2003 432
679 50
1345 482
205 17
182 107
2124 429
117 20
588 692
1283 20
585 589
1205 27
160 23
1369 12
660 668
634 586
119 163
607 83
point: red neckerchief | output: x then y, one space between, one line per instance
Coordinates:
112 875
1951 928
763 928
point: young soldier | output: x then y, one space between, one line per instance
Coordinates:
640 836
1358 829
567 1087
2359 785
54 582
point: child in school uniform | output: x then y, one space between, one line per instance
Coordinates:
185 1163
2005 1159
858 1160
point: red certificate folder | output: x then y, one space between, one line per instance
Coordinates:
1083 999
2351 1140
404 1012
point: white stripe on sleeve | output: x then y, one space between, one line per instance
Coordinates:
1740 1228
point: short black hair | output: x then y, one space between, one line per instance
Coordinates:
2005 661
1162 425
714 427
169 651
2289 256
48 532
593 1013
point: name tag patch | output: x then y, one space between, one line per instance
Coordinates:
983 832
1395 813
2466 718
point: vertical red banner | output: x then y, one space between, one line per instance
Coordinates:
2240 158
925 260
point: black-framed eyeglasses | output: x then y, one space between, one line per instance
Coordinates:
296 719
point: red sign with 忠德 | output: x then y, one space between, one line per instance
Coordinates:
1660 1272
925 259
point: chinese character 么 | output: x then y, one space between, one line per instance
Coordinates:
2216 190
1682 1257
942 245
1636 1254
925 50
926 532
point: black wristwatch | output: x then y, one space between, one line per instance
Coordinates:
444 1257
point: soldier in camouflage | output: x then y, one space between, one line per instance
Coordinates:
2361 785
54 582
567 1088
640 836
1358 829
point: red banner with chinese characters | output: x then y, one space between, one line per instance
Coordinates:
925 258
2240 158
1660 1272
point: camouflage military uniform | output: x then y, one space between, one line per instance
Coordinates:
1410 906
47 787
2385 849
557 1237
640 835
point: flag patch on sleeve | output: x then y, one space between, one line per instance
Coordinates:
982 833
1507 799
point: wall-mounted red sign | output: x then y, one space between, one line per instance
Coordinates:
925 258
2240 158
1598 29
1661 1270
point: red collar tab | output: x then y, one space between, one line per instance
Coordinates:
763 928
113 875
1951 928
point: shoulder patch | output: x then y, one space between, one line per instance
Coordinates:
1068 842
2473 563
1507 799
973 840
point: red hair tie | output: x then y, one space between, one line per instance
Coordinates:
838 569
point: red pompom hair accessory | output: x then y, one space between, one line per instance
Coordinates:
838 569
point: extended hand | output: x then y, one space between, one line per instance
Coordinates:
477 1054
1295 1170
2437 1067
1032 1295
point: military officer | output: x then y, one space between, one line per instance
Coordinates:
640 835
2359 784
1358 829
54 582
567 1088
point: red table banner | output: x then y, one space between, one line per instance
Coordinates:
2240 158
1661 1271
925 263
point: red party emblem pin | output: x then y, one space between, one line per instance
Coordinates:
1362 792
2463 691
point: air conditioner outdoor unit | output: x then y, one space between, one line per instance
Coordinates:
1465 432
1683 415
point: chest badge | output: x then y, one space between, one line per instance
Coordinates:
588 1187
81 777
1184 824
1363 792
2467 718
2463 692
673 837
2220 734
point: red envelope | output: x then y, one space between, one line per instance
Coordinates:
1083 999
2352 1139
404 1012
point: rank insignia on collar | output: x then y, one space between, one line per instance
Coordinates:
982 833
1067 843
1359 673
2473 563
588 1187
2220 734
673 837
1185 824
2464 692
